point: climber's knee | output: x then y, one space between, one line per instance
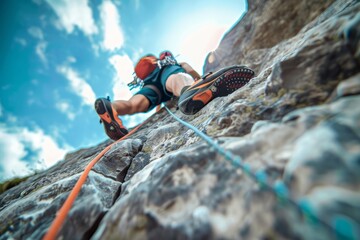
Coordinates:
176 82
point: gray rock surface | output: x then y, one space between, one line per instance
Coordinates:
28 209
297 121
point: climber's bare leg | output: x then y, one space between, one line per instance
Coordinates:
176 82
137 103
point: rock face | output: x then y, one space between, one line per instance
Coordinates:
297 121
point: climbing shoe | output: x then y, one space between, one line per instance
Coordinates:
221 83
108 116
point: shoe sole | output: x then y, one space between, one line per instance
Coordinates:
112 128
219 84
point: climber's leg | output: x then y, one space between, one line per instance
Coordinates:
176 82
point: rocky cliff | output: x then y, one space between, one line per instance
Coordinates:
298 121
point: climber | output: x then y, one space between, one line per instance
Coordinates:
163 78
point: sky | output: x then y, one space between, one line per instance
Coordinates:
58 56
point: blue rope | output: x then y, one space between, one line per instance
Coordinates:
343 227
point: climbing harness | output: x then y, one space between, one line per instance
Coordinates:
160 63
342 226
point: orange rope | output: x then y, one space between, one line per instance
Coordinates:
64 210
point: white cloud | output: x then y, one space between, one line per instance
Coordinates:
30 99
36 32
113 34
37 2
35 82
124 68
40 51
47 147
74 14
65 108
71 59
17 142
41 45
136 119
78 85
11 118
21 41
5 87
12 151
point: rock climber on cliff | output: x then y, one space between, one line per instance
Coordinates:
161 79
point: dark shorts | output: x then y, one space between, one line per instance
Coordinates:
158 79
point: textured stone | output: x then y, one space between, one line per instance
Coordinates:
137 164
73 164
194 193
30 216
337 150
349 87
28 209
116 162
297 122
265 25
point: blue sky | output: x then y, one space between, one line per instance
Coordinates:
58 56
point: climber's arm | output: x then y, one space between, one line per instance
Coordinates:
190 70
137 103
